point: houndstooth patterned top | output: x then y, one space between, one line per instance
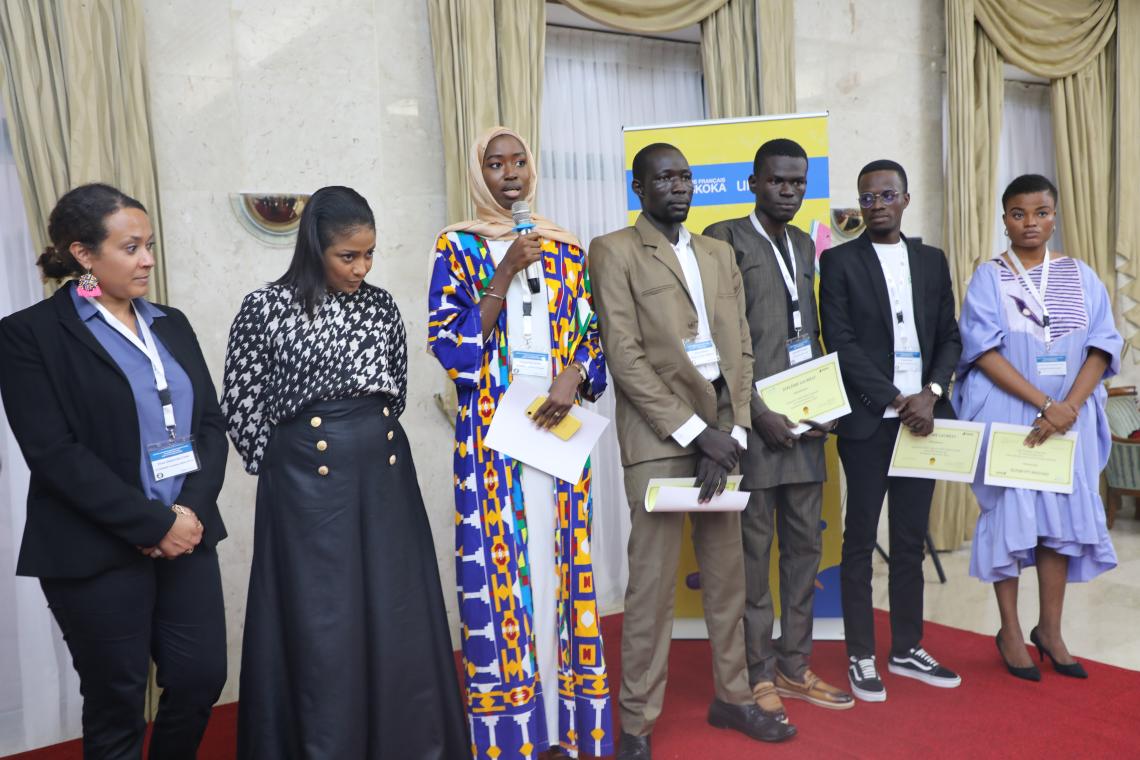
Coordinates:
280 360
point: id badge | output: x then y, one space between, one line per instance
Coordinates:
1051 364
701 352
799 350
530 364
908 362
177 457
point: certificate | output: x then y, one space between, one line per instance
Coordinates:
809 391
1010 463
514 434
951 452
680 495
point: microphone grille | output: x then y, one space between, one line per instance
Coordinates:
520 212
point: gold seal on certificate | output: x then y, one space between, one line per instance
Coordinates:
809 391
950 452
1046 467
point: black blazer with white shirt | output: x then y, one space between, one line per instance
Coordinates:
72 412
856 322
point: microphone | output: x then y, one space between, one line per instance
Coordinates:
520 212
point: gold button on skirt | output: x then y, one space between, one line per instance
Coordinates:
391 434
315 422
322 445
392 459
323 470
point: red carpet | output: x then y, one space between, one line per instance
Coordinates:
991 715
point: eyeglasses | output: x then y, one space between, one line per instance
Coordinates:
866 200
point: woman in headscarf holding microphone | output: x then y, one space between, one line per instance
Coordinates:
532 647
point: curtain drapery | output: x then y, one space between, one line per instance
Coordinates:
1128 157
1083 105
777 56
729 34
488 71
39 690
645 16
605 82
73 77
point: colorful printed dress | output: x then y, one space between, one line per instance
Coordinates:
998 314
504 691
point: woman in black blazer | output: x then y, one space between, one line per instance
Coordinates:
107 394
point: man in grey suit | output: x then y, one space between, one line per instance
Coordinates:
671 310
784 472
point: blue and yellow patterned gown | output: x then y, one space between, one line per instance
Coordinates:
504 693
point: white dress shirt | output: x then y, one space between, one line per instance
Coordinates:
896 271
694 426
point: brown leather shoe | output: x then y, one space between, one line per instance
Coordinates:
815 690
765 696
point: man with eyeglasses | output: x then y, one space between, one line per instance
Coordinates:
887 308
783 472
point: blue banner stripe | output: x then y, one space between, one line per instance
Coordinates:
722 184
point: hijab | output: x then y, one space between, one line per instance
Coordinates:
492 221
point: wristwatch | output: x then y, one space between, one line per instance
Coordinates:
936 389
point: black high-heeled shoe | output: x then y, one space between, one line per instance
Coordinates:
1030 673
1072 670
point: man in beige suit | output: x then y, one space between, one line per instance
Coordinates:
672 315
783 472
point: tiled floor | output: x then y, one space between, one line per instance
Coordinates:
1101 619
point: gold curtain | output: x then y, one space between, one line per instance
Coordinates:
1082 127
1128 155
646 16
488 71
729 35
975 78
777 56
73 77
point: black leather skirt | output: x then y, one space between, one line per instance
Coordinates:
346 652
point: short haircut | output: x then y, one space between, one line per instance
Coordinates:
641 160
781 146
885 165
1029 183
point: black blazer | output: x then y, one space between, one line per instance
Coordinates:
855 317
73 414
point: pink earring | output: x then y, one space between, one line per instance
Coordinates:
89 286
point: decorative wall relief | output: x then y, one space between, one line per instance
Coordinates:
272 218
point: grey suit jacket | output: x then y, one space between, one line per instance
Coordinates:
767 309
645 313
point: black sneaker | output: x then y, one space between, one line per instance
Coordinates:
916 663
865 681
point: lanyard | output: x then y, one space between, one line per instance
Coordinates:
789 277
1031 289
896 300
527 308
148 347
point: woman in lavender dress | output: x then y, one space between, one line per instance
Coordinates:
1010 373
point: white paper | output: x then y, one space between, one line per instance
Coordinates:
514 434
903 472
1032 485
799 369
680 495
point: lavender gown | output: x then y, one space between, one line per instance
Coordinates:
1014 520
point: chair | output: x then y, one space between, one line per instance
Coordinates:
1123 471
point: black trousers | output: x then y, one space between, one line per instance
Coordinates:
114 623
908 508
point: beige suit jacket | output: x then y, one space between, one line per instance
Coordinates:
645 314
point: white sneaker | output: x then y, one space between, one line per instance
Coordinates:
865 681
